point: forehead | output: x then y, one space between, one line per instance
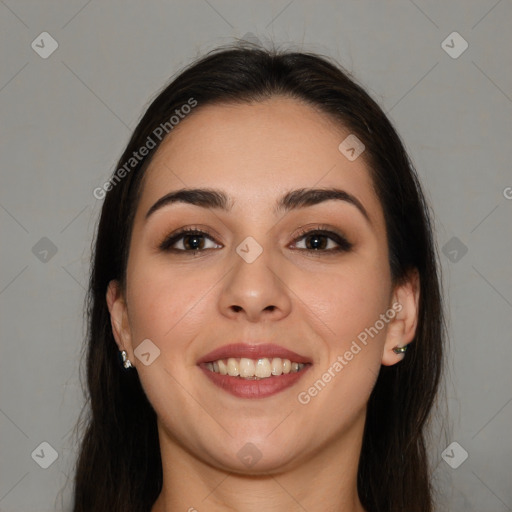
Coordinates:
256 152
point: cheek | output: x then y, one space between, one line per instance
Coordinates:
351 355
349 302
162 300
346 299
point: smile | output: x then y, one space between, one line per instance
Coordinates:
254 369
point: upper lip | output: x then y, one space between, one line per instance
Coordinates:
253 351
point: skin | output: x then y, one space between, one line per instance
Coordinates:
189 305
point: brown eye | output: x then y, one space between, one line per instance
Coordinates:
195 240
322 241
188 240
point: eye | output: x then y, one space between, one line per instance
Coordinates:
317 240
187 240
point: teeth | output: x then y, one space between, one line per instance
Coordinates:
263 369
247 367
233 367
223 369
253 369
276 366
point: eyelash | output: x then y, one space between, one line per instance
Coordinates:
343 244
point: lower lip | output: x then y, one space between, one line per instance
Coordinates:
261 388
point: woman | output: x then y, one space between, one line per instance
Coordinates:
265 268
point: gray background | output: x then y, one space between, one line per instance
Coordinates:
66 119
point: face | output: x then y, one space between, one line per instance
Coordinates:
307 283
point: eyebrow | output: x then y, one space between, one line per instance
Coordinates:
294 199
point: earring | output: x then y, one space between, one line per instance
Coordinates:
126 362
400 350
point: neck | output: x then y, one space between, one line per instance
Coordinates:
324 481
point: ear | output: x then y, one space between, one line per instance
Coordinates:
402 328
119 318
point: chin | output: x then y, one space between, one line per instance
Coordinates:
249 460
258 453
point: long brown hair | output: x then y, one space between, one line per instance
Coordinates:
119 465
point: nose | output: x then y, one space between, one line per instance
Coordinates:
256 291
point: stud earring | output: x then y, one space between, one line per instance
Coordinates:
126 362
400 350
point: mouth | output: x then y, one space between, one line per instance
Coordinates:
254 371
